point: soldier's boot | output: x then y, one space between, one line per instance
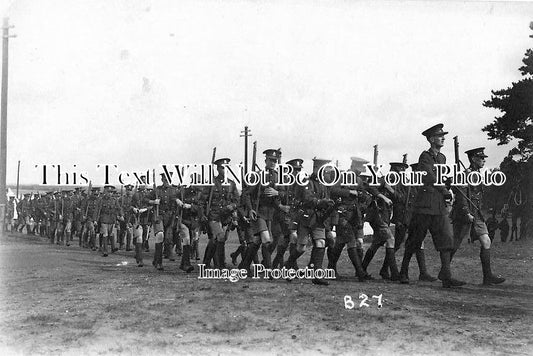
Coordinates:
220 260
384 271
179 247
391 261
100 240
158 256
28 229
236 254
334 253
171 255
445 273
488 277
267 255
146 245
404 271
424 275
121 234
369 255
317 264
128 242
186 259
293 258
440 275
251 251
105 241
361 253
292 250
209 253
255 257
278 260
67 238
357 264
139 254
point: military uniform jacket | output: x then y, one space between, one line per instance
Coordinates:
430 199
66 207
222 196
125 203
139 200
191 217
348 210
255 198
167 196
109 209
90 207
462 207
315 202
23 208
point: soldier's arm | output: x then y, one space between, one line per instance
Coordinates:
426 164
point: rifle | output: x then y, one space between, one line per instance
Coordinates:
254 164
213 186
458 162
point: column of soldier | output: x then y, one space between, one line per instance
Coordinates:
273 219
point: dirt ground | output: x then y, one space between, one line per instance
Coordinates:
68 300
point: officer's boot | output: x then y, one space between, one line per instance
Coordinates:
445 273
196 250
391 261
280 252
220 261
67 238
292 250
488 277
105 240
334 253
209 253
369 255
357 264
404 271
100 240
158 256
28 229
317 263
384 271
170 251
424 275
186 259
139 254
179 247
361 253
293 257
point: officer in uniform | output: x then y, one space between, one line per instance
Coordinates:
316 208
430 211
90 209
109 210
67 211
165 198
126 225
401 216
468 219
77 201
261 203
222 201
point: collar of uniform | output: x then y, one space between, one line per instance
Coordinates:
434 153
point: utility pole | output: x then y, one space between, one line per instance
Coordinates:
246 133
3 125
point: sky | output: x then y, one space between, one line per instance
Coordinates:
144 83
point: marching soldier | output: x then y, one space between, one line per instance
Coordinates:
430 211
77 215
469 220
316 208
67 210
126 225
108 210
191 213
288 222
10 213
141 211
23 212
348 227
164 197
90 211
261 203
221 201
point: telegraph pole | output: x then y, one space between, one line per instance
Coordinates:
246 133
3 125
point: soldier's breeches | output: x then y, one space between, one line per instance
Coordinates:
216 230
440 228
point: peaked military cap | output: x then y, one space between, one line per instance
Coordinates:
95 189
222 161
128 186
109 186
398 166
296 163
435 131
273 154
27 194
476 152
